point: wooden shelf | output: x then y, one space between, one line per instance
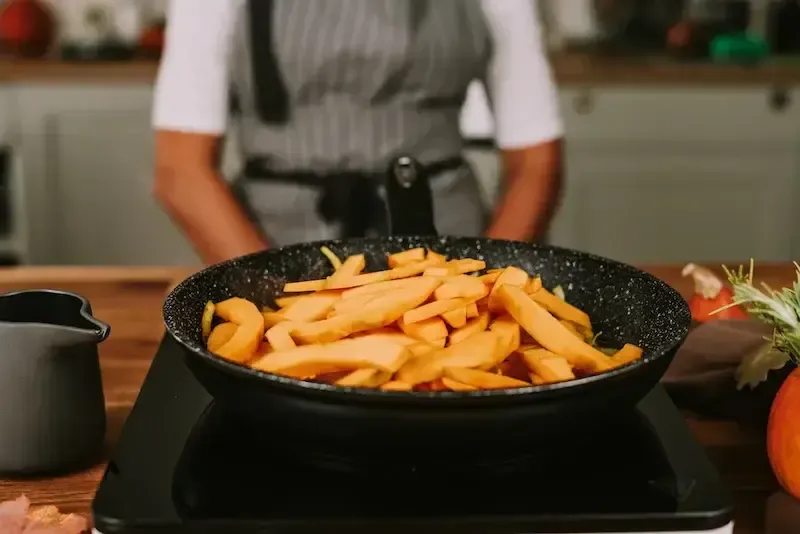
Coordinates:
47 71
586 69
569 69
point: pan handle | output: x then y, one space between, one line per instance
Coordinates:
409 200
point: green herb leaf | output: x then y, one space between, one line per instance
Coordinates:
778 308
594 339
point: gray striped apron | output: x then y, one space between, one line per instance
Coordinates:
338 88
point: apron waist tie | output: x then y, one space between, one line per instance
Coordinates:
349 198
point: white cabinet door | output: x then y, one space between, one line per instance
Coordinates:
680 175
90 163
653 175
106 214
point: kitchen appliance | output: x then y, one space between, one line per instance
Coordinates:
602 453
185 464
626 305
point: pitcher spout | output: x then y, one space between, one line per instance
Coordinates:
95 331
65 317
65 337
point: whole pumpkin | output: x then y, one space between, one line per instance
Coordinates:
783 434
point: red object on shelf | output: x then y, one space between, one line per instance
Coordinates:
27 28
151 42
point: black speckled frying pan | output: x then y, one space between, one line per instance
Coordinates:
624 303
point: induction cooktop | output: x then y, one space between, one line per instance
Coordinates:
185 464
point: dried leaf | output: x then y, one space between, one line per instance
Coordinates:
755 367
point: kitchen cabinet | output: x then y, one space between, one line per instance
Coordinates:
105 211
670 174
88 161
673 175
660 174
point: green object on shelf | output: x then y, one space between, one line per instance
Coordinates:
738 48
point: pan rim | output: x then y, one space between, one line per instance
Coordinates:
347 394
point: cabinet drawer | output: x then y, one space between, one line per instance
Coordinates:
680 202
662 114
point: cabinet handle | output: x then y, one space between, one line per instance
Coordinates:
779 99
583 103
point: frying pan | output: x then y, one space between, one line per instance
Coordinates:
626 305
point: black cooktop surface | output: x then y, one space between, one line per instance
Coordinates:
184 464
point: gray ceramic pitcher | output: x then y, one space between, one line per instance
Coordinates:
52 410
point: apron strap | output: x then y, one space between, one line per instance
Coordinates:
271 96
353 201
349 198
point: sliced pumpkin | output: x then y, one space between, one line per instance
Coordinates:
561 308
245 341
428 330
478 350
220 335
376 314
311 307
405 257
376 352
482 380
627 354
473 326
513 276
549 332
550 367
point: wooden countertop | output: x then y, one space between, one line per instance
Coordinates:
569 69
130 300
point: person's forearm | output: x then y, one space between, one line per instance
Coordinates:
202 204
530 193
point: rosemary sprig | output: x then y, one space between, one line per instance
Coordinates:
778 308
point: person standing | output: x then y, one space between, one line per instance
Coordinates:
325 94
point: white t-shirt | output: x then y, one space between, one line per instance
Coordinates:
192 85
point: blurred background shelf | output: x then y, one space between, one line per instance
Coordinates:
576 68
655 173
669 157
